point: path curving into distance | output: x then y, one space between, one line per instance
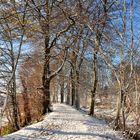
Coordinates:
66 123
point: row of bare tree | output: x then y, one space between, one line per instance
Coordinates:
76 52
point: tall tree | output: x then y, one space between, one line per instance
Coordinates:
48 21
12 24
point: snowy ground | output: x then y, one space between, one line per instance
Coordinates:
66 123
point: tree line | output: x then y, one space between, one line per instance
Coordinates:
83 53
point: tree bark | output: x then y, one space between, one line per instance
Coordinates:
68 95
72 89
77 99
95 81
46 97
13 97
62 92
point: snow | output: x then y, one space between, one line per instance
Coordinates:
66 123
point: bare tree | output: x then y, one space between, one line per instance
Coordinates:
12 37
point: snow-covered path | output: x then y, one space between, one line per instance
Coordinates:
66 123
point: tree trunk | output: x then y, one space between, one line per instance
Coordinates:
46 97
72 89
77 98
137 99
95 81
45 25
14 106
62 92
120 110
117 120
121 98
68 95
123 111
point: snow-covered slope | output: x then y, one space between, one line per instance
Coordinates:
66 123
